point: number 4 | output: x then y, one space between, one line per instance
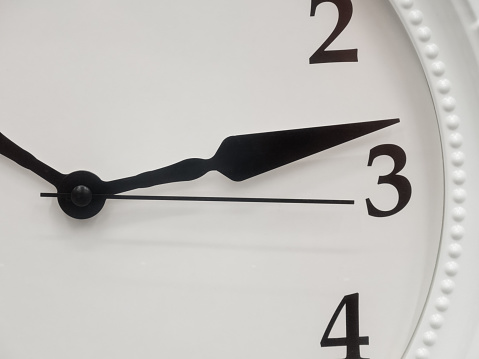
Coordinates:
352 341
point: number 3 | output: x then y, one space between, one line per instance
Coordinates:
401 183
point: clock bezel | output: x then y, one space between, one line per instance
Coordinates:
448 321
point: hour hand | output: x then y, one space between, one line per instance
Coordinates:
244 156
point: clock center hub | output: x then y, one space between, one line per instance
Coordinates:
81 196
80 201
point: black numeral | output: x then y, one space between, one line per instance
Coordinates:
352 341
345 9
401 183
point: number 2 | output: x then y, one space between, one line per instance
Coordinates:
345 9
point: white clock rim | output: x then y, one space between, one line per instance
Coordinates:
430 339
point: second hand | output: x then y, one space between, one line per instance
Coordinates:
209 199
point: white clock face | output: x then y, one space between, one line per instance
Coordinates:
120 88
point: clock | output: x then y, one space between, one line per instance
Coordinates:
254 179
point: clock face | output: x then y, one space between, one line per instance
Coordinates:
120 88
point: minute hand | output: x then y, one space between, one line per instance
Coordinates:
245 156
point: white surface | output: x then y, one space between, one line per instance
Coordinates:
144 279
449 323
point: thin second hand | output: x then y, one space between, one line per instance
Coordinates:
212 199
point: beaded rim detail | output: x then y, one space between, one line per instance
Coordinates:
455 177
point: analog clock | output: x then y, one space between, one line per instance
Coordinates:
252 179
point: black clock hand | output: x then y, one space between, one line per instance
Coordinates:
28 161
67 196
238 158
245 156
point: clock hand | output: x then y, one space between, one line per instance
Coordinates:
238 158
28 161
244 156
207 199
